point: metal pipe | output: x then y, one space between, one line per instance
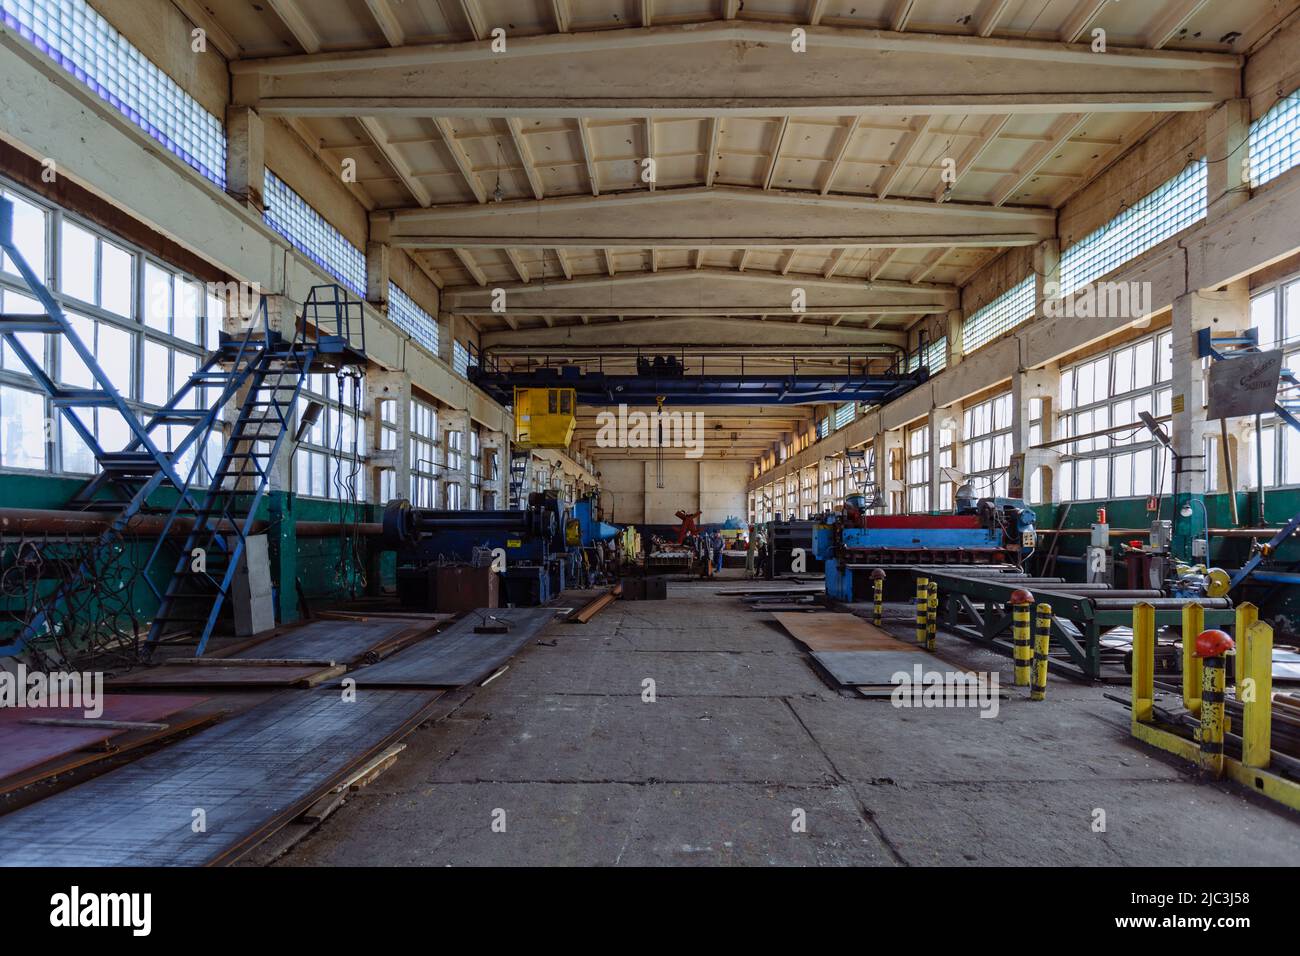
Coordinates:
50 521
1122 604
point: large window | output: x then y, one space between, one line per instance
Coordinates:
1107 392
307 231
986 446
1275 141
84 44
146 323
918 469
1175 206
424 466
328 459
1275 313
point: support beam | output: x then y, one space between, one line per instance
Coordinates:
672 70
472 267
565 266
197 13
292 17
989 16
419 192
525 156
691 217
900 14
460 158
560 11
711 163
382 11
1085 11
1172 20
521 270
588 156
721 332
1062 132
846 137
993 128
782 128
907 149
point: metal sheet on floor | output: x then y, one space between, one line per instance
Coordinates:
839 632
24 745
249 775
457 655
877 668
346 642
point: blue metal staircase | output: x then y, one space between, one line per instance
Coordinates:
269 372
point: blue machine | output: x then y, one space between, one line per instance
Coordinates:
997 531
543 544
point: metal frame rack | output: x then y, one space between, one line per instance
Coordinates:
975 604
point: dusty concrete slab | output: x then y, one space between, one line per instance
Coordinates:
556 737
1054 824
599 825
1025 741
675 674
742 733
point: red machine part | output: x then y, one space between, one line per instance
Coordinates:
689 522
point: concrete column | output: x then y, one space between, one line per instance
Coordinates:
1227 132
448 326
955 318
455 421
385 386
1027 385
496 443
1224 311
891 473
1047 276
246 157
379 260
946 419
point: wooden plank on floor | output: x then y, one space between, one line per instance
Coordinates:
833 631
216 674
248 775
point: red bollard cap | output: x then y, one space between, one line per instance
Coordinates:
1021 596
1213 644
877 575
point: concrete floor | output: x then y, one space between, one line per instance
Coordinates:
743 734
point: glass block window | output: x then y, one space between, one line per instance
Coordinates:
986 446
1275 141
1106 392
460 360
308 232
424 463
1175 206
86 45
934 357
918 469
844 415
1003 314
823 426
1275 313
410 318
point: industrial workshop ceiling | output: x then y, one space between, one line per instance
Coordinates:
669 172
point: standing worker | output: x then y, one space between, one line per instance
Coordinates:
719 545
751 552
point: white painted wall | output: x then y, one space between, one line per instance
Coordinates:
715 488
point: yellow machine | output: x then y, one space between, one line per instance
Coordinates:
545 417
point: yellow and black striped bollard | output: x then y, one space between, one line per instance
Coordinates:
1211 647
878 597
932 616
922 609
1020 602
1042 638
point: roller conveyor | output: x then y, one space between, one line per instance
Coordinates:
977 607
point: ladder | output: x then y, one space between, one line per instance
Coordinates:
127 477
203 574
520 468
